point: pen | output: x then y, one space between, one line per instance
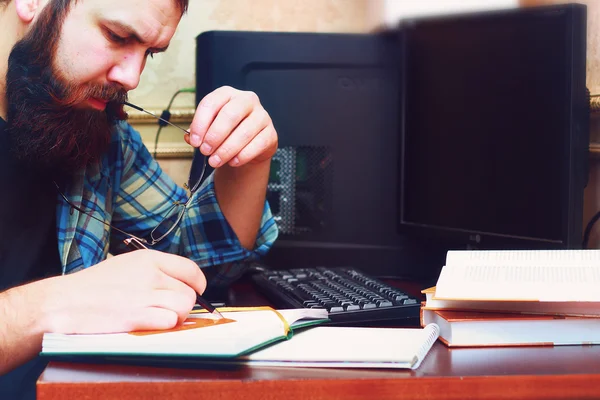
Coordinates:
202 302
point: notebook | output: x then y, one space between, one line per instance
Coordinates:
347 347
201 336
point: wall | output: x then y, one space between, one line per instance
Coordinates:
392 10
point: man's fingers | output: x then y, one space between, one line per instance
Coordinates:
230 116
261 148
180 268
207 111
180 302
243 134
168 282
154 318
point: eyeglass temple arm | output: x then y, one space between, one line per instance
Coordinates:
135 243
155 116
205 162
140 241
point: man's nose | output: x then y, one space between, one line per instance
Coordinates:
127 72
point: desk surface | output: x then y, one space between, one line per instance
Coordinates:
528 372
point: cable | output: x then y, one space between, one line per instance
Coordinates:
166 115
588 230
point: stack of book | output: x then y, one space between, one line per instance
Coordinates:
516 298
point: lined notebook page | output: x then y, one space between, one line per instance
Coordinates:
551 282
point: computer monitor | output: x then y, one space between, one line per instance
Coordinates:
333 99
494 144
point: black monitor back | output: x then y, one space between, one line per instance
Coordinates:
334 101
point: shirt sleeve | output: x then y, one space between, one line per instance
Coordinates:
146 195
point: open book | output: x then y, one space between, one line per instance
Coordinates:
522 275
201 336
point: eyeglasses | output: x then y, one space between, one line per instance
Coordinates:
175 213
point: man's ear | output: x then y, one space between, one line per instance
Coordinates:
28 9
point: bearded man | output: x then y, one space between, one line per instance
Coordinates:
78 181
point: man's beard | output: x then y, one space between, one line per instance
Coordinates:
46 129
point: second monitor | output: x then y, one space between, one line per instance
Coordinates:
495 128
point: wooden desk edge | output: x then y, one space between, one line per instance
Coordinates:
446 388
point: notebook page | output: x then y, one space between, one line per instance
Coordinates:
523 257
296 314
249 329
350 347
519 282
432 333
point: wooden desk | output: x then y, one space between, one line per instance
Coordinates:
488 373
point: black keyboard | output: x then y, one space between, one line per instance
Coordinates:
351 296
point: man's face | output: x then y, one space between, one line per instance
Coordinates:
66 82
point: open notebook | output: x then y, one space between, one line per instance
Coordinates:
201 336
347 347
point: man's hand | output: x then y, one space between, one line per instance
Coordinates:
140 290
233 128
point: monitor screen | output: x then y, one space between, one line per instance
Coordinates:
494 133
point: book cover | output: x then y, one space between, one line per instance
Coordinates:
476 329
567 308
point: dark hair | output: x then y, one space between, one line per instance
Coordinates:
182 4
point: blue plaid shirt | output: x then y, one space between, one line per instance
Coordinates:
128 190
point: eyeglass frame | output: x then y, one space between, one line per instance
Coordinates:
139 242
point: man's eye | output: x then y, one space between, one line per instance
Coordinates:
115 38
150 53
